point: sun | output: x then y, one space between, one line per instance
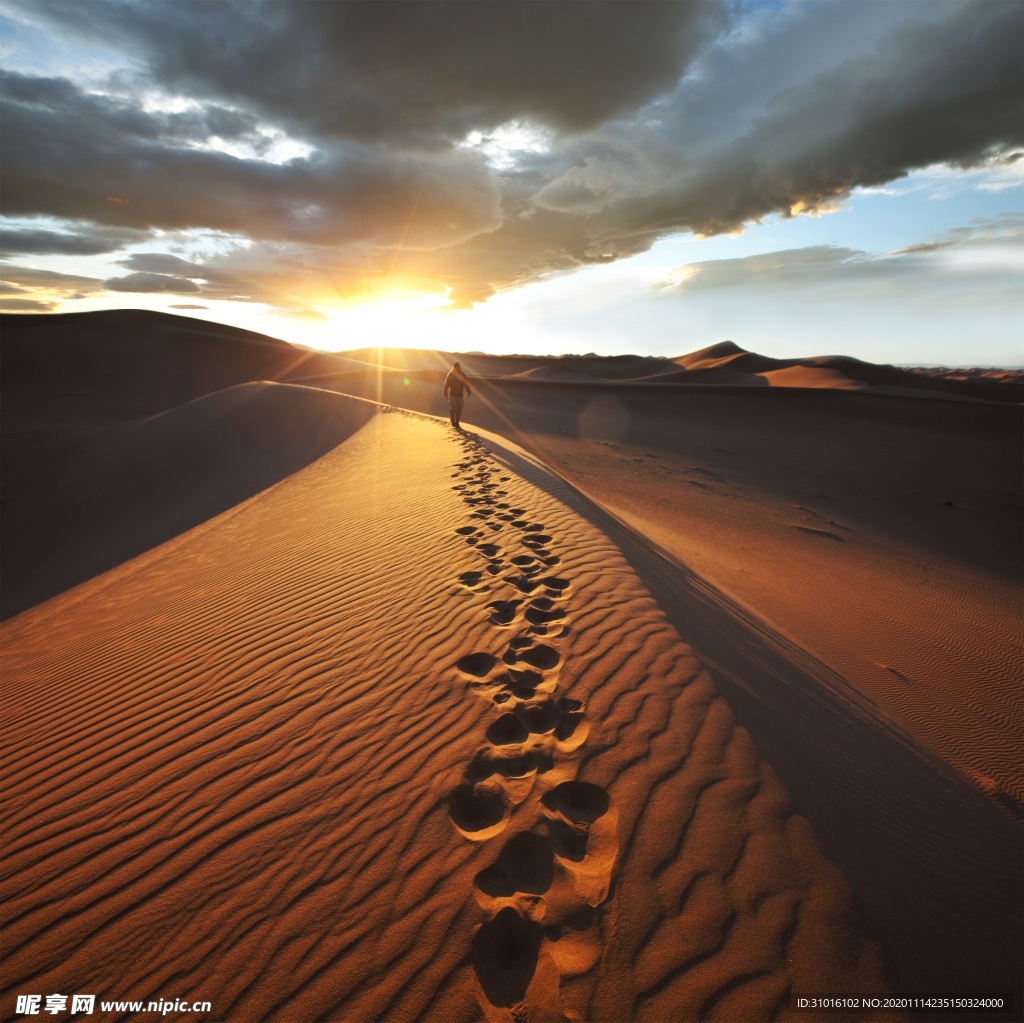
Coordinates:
394 319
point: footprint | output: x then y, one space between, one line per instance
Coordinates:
554 582
504 955
467 530
544 658
510 765
523 583
522 684
490 550
539 718
572 730
526 865
479 811
583 829
471 580
542 610
476 665
578 802
535 541
527 563
503 612
508 730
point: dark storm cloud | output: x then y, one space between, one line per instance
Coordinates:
108 162
945 90
406 70
936 92
789 114
85 242
199 123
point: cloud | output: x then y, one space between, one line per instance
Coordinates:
27 305
816 271
88 241
946 91
284 276
658 118
165 263
49 279
187 305
143 284
405 72
42 290
82 157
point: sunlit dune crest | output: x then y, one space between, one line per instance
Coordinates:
666 689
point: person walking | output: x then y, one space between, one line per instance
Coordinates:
454 386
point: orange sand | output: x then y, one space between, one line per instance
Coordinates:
317 709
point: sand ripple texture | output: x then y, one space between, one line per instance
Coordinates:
402 737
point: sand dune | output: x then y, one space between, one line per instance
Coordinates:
845 373
129 487
270 725
630 705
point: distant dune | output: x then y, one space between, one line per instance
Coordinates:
671 689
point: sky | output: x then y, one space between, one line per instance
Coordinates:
801 177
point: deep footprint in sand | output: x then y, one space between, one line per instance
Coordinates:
507 730
503 612
504 955
536 540
476 665
543 658
526 865
473 581
583 826
479 811
527 565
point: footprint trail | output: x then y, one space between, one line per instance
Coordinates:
542 892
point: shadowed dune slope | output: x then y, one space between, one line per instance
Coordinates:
938 867
123 489
402 738
81 368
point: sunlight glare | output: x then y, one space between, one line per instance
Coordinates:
395 320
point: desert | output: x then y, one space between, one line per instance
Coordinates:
664 689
